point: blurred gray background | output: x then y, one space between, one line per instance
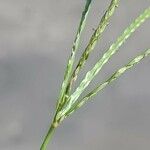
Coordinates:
35 41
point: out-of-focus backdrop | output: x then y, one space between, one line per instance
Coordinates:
35 41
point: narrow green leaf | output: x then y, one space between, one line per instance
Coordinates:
74 49
115 76
112 50
94 39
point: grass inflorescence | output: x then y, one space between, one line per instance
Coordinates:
69 101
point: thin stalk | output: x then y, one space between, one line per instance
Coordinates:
48 137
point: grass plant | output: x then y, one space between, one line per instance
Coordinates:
69 101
